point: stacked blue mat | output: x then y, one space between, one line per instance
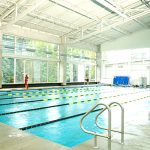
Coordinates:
121 80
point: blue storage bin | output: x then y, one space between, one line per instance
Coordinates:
121 80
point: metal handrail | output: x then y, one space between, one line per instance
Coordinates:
122 121
106 107
95 133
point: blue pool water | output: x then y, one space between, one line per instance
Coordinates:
38 111
69 131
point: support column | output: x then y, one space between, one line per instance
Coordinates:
14 70
1 75
63 60
15 62
98 63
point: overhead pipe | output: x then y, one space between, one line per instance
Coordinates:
110 7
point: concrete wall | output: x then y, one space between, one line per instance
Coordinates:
140 39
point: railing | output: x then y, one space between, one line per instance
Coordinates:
109 130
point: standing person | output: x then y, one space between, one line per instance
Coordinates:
26 82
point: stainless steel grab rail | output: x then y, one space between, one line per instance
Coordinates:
106 107
94 133
122 121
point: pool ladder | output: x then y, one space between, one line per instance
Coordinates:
109 130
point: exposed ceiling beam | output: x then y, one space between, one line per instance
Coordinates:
75 11
104 23
140 23
109 6
112 26
102 37
121 31
34 5
140 9
33 25
11 8
53 21
115 9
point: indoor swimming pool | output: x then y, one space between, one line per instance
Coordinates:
55 113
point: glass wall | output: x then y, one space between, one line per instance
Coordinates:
52 71
8 70
22 56
81 65
8 44
40 61
19 70
75 72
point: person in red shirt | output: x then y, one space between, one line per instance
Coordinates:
26 82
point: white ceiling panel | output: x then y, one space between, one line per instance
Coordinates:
131 26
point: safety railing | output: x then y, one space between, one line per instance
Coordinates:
109 130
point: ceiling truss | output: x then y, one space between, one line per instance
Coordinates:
90 23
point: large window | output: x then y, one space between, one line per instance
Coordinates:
41 49
38 59
24 46
19 71
52 71
92 73
8 70
69 72
36 71
87 72
75 72
29 70
8 44
81 65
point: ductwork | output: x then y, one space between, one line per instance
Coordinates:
110 7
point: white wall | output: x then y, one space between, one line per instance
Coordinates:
140 39
133 42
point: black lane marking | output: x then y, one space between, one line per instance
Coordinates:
21 102
64 118
76 102
48 122
58 105
8 113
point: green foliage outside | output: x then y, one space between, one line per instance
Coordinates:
46 70
19 71
40 70
52 71
43 71
7 69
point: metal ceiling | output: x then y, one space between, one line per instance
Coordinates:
78 20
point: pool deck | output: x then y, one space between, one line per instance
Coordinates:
137 137
14 139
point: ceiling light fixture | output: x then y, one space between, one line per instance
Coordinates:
110 7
